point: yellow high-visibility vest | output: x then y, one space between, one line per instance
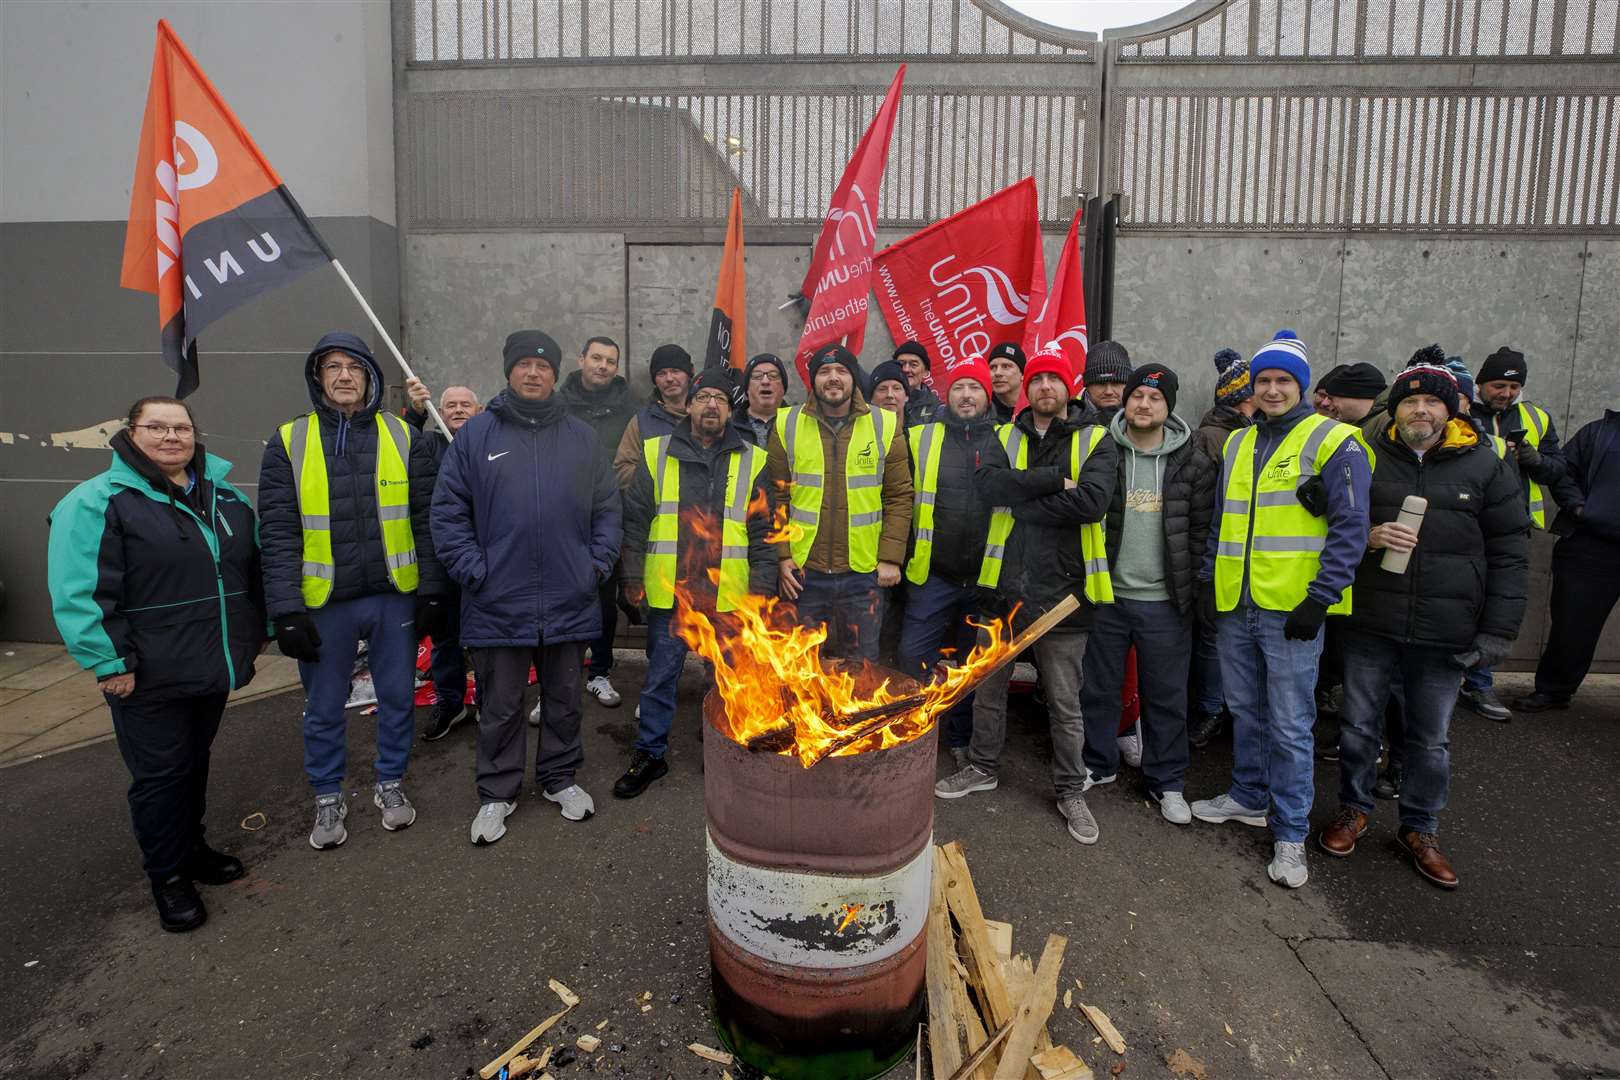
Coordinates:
1099 585
1284 551
927 447
302 440
1534 420
869 441
658 569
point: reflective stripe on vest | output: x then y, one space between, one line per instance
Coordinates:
927 448
1099 585
871 434
659 569
1534 420
302 440
1284 551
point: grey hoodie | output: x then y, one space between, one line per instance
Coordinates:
1138 572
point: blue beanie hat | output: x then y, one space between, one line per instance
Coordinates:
1465 378
1286 353
1231 378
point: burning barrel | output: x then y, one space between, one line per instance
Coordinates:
818 901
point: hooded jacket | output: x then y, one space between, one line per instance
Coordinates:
607 411
1043 563
150 579
1185 480
350 447
1219 422
961 510
526 517
1469 573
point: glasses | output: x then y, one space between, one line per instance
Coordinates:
159 431
335 368
709 397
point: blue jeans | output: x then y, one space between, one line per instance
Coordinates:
386 622
1206 664
1375 666
935 619
849 605
666 654
1478 678
1163 640
1270 685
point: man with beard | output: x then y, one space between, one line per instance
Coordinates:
840 469
672 372
764 383
1006 362
695 521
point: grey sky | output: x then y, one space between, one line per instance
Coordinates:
1095 15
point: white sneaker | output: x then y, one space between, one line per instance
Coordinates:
1173 805
1093 780
534 714
638 711
1225 808
575 802
1287 866
1130 747
603 692
490 823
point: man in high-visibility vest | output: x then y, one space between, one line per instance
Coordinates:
840 470
696 518
950 525
1046 543
1289 529
344 494
1533 439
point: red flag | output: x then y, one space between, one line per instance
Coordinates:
728 328
1061 321
211 225
966 283
839 276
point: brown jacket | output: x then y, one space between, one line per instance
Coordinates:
627 458
829 552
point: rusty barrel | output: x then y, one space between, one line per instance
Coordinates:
818 903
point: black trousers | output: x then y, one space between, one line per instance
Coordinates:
1585 587
166 744
503 725
607 598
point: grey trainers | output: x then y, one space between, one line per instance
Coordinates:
965 781
575 802
1225 808
1173 805
1486 704
330 810
1082 826
398 813
1093 780
490 823
1287 866
1130 747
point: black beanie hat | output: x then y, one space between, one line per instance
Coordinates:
670 356
1156 376
915 348
764 359
889 370
718 377
1424 379
525 343
833 354
1353 380
1007 350
1107 361
1504 363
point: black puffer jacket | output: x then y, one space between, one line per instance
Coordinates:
961 510
1043 562
1187 495
607 410
1470 571
350 446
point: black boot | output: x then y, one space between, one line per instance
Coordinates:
1204 728
446 715
1389 781
644 769
213 867
179 907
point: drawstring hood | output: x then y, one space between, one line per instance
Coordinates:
355 347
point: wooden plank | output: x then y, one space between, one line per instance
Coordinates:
1059 1063
946 1031
984 968
1019 975
1105 1027
1000 937
522 1044
1033 1011
981 1057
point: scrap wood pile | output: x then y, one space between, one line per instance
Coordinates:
988 1009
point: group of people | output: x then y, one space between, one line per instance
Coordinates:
1257 562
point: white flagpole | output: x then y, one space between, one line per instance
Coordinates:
377 323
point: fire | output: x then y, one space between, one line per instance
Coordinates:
850 911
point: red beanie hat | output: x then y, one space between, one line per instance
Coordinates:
974 367
1051 362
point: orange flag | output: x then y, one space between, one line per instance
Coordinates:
211 225
728 329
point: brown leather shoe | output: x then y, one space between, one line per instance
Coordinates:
1339 838
1425 851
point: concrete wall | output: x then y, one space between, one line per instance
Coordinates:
312 81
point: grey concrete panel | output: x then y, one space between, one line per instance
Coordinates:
1597 345
1179 299
464 292
1470 296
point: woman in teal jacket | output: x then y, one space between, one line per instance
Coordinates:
155 586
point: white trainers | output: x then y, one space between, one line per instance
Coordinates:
534 714
1287 866
575 802
490 823
1225 808
1093 780
1130 747
1173 805
602 690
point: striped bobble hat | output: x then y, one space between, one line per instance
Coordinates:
1286 353
1231 378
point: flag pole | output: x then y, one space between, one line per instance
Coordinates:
377 324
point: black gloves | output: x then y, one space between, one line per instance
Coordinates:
1207 611
432 617
1305 621
1529 456
298 638
1488 651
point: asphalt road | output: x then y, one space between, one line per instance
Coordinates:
416 955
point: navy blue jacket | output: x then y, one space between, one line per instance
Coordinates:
1592 457
526 521
350 446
